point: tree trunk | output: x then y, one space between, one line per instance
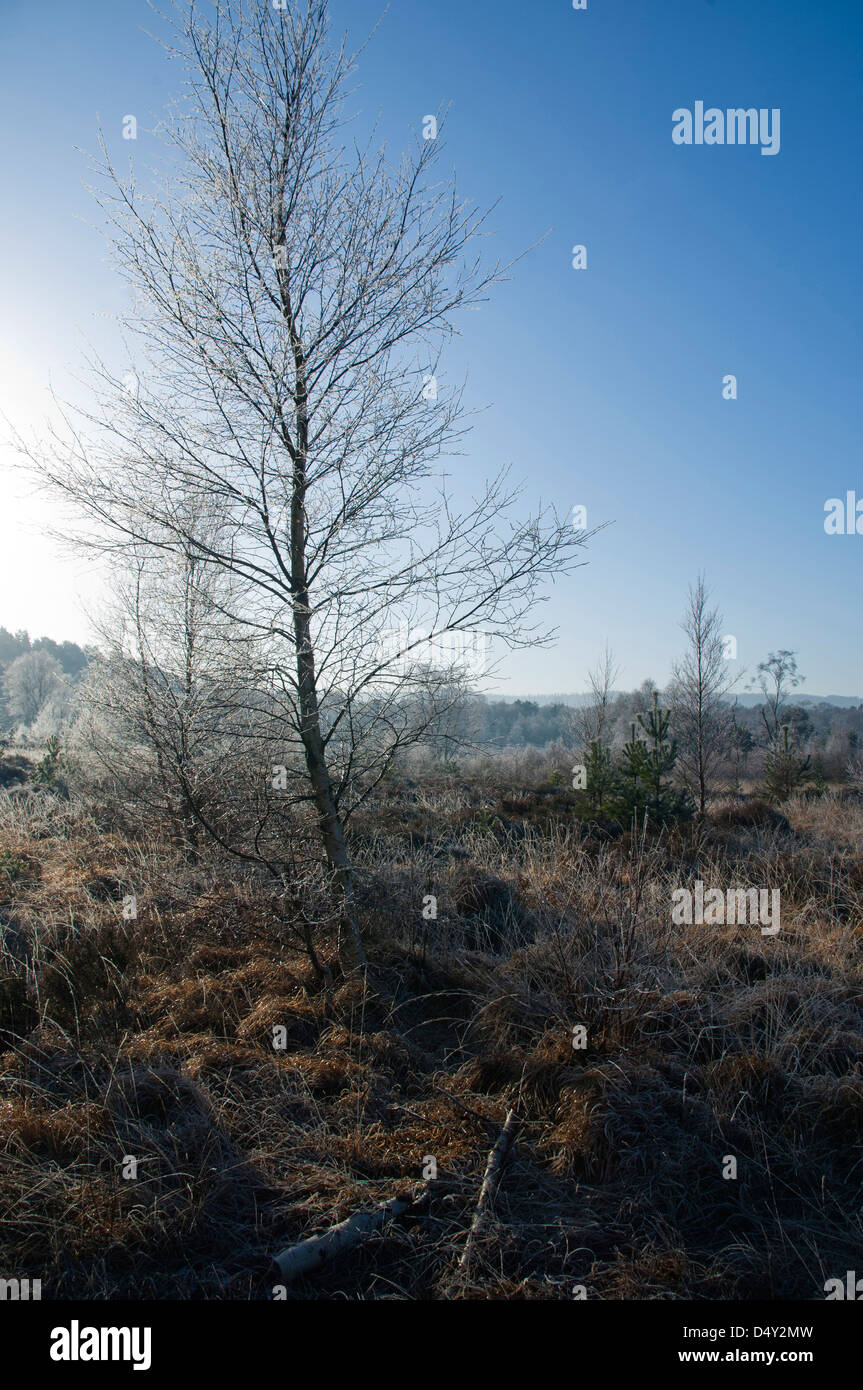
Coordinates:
494 1168
351 953
318 1251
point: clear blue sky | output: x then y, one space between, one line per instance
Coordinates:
603 386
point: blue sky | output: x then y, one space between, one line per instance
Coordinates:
602 387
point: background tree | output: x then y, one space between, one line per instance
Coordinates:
741 745
592 728
174 714
854 772
700 682
12 645
776 678
29 681
57 713
632 775
784 765
600 775
592 720
659 761
294 292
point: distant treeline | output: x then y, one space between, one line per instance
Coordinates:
821 730
524 723
71 657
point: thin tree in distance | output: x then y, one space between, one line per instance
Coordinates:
590 723
294 292
701 680
591 720
776 678
784 766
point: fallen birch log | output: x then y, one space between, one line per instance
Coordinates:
312 1254
493 1170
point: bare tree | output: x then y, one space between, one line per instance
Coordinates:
293 297
854 773
591 721
776 678
589 725
29 682
174 696
700 682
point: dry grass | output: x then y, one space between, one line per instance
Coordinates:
153 1039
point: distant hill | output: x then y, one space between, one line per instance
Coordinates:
497 697
747 698
840 701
